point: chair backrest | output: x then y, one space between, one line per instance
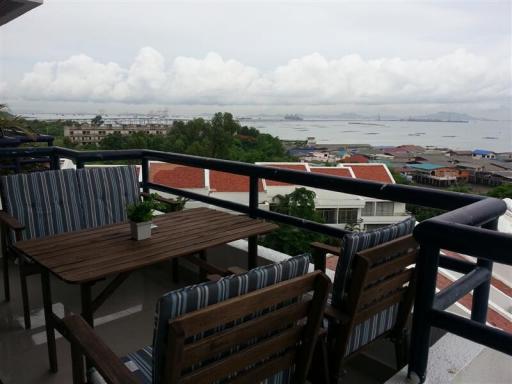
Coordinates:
189 299
381 292
47 202
359 241
105 192
250 338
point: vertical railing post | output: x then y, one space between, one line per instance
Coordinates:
145 175
426 276
252 251
79 164
480 301
54 162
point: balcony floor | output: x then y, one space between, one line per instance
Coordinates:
124 322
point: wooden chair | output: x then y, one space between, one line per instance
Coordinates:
377 305
264 327
351 245
48 203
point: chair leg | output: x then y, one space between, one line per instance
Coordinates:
319 370
7 288
24 294
402 349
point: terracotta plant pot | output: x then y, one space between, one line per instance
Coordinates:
140 231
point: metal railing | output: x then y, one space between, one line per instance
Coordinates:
469 227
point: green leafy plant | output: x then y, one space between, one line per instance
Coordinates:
141 212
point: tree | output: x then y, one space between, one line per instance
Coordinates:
501 192
97 121
289 239
221 137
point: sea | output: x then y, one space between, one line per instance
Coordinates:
491 135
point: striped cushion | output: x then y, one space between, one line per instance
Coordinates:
47 203
372 328
368 330
194 297
139 363
358 241
105 192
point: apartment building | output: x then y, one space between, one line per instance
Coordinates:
93 134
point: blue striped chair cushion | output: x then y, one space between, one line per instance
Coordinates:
139 363
370 329
189 299
105 192
47 203
358 241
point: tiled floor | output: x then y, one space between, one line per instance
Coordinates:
124 322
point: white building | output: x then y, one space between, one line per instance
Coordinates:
337 209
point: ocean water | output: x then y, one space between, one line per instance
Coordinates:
491 135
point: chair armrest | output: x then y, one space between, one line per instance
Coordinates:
335 314
213 277
319 253
10 221
326 248
82 336
236 270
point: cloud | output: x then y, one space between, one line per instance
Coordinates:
458 77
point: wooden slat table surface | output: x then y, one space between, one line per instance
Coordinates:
89 255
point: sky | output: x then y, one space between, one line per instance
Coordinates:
260 57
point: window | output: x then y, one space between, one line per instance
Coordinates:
385 208
369 209
347 215
329 215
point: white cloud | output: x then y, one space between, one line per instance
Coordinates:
458 77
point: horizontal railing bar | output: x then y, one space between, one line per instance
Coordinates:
474 241
461 266
460 288
476 214
203 198
302 223
396 192
259 213
479 333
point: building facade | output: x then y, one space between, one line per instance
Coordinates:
341 210
92 134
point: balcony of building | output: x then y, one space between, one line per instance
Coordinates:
460 347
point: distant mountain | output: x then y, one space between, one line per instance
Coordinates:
447 116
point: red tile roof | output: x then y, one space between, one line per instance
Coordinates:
293 167
355 159
334 171
228 182
374 172
176 176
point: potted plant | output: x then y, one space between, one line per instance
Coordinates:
140 215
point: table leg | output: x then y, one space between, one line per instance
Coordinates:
87 312
48 317
88 316
175 268
203 272
252 252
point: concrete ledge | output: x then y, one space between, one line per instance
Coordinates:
449 356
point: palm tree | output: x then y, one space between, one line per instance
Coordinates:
11 125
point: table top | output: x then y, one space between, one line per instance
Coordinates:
89 255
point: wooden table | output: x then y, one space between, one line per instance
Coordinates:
85 257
